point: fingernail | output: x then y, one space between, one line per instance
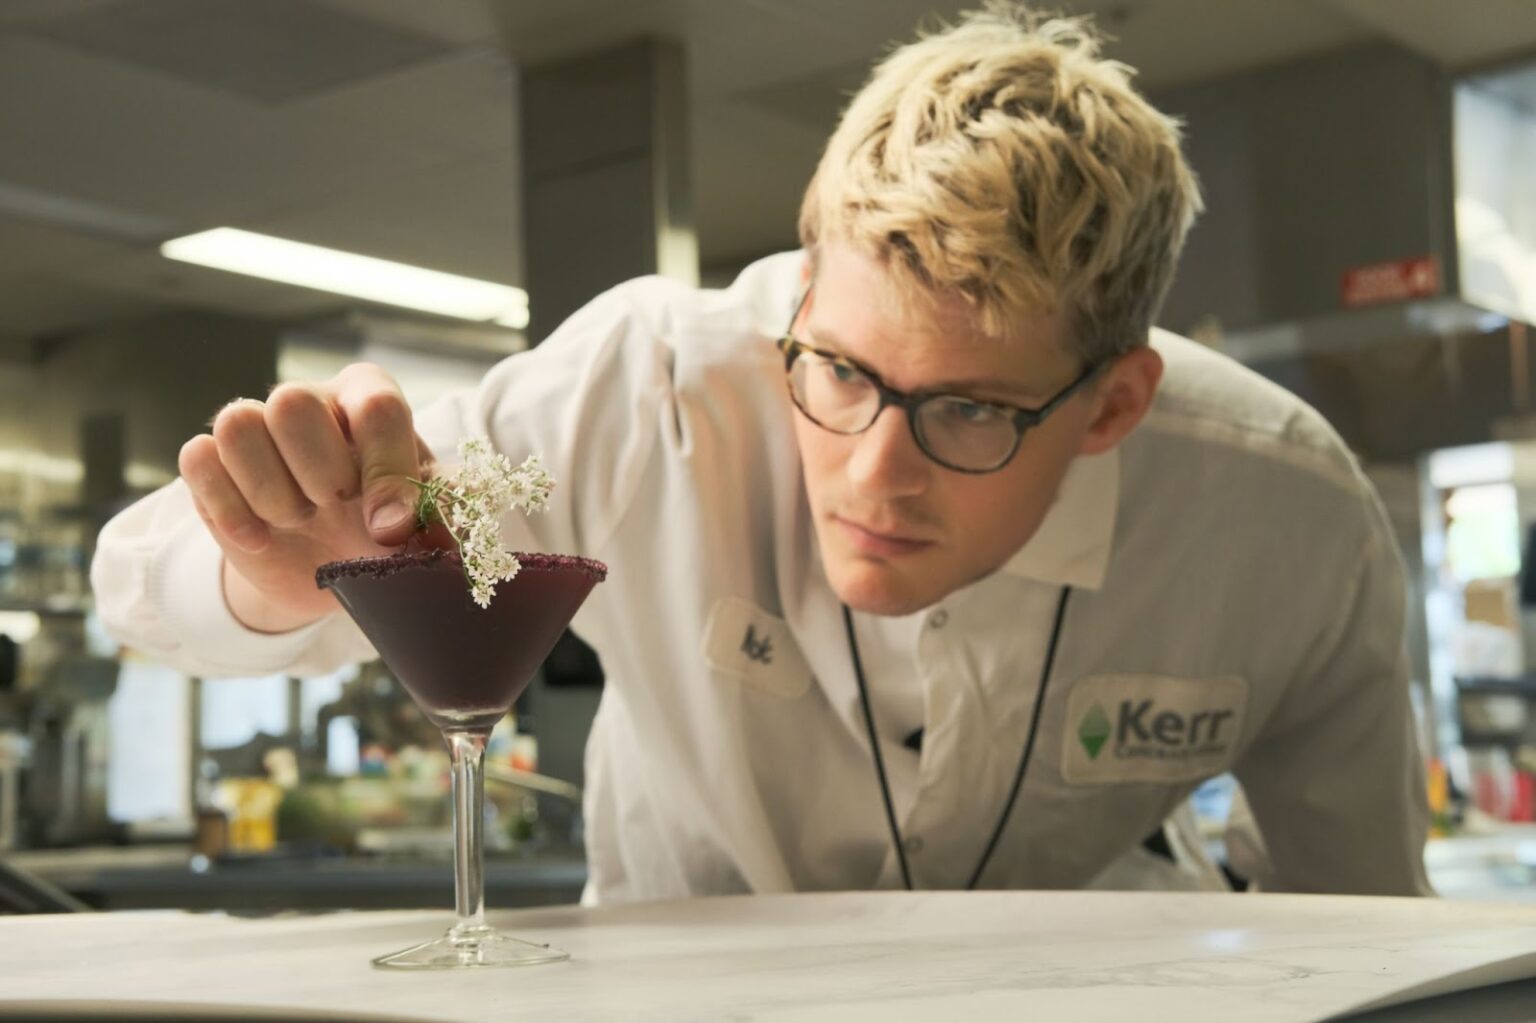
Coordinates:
389 516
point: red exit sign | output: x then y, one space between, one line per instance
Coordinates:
1397 281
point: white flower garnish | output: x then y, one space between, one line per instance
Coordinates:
469 502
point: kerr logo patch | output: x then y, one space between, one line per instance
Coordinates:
1152 728
743 640
1094 729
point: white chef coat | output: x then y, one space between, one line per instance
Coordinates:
1237 603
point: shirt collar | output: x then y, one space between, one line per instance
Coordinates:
1074 542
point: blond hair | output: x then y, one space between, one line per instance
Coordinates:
1004 159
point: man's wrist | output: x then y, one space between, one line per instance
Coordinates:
254 610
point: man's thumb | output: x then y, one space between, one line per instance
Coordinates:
390 514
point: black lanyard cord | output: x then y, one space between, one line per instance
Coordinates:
874 746
1029 741
1018 778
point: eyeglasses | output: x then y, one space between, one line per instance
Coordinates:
957 432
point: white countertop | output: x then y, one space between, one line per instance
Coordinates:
1081 956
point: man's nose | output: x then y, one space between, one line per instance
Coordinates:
886 462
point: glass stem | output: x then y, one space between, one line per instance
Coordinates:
467 752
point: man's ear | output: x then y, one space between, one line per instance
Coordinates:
1122 399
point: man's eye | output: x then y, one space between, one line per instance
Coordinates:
970 413
844 373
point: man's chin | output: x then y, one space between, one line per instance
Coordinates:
875 589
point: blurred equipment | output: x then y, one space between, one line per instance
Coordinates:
14 747
22 892
15 752
66 791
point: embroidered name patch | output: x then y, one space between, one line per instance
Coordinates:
1151 728
743 640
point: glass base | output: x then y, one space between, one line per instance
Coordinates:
463 948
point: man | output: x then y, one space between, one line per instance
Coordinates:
931 563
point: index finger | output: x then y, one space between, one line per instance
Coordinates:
378 421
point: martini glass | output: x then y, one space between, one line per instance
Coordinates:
464 665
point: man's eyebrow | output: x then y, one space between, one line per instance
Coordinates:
963 387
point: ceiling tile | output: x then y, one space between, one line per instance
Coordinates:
410 154
1171 42
23 12
147 276
460 219
117 136
26 247
35 304
1464 34
275 51
456 21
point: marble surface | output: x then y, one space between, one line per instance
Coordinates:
1081 956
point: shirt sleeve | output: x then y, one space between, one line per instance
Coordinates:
157 577
1335 781
590 400
594 402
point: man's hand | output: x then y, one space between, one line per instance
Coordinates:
316 473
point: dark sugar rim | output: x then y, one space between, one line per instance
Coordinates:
385 565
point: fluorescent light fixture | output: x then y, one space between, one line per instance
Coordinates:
346 273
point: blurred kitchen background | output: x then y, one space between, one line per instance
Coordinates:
1370 172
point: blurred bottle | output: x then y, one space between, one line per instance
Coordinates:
1439 785
1523 808
253 804
212 836
1493 780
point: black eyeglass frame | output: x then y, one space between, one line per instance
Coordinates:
1023 419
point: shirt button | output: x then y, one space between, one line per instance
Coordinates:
938 619
913 844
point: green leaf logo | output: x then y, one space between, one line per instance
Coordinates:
1093 731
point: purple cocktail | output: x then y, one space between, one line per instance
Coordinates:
464 665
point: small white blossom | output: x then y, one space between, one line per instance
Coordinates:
470 501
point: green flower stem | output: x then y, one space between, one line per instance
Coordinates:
463 502
429 506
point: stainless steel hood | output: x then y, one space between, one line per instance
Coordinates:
1370 235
